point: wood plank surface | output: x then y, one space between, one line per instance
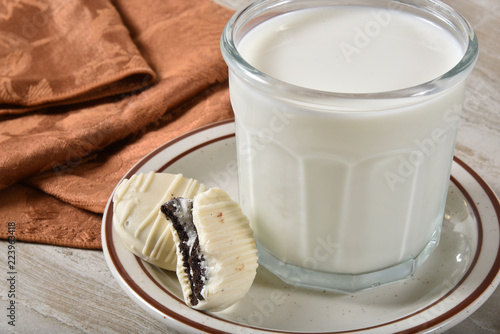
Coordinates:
64 290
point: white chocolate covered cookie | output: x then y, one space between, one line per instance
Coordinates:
216 250
137 218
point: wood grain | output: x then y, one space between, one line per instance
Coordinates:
63 290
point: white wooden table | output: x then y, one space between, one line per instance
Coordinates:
65 290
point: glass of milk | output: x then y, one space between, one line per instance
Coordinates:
346 116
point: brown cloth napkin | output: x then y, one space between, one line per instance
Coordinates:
59 164
61 51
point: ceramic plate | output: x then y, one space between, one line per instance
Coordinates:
455 281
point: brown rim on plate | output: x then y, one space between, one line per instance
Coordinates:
196 325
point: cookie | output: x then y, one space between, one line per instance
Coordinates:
137 218
216 250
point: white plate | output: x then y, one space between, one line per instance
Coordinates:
455 281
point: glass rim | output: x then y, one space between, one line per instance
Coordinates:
265 82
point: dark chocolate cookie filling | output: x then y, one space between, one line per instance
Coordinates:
193 260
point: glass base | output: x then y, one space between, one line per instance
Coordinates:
347 283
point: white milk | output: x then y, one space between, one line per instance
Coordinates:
359 187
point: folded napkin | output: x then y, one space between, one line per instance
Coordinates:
61 52
60 158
